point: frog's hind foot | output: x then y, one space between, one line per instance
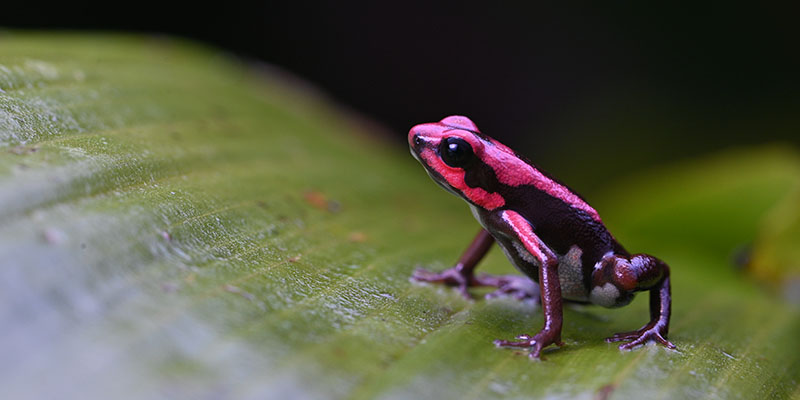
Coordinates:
518 287
641 337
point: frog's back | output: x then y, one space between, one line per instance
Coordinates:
562 227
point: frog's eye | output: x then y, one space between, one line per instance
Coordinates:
455 152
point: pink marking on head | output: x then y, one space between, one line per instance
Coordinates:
524 232
434 132
509 169
455 178
459 122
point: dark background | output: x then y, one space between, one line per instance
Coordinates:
584 90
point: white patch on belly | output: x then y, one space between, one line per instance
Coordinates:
605 295
570 271
524 253
570 274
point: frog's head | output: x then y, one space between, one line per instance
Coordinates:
482 170
462 160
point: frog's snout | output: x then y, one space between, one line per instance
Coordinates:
413 137
415 140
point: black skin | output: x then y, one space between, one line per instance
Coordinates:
558 227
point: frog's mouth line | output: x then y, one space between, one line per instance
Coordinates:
414 153
434 175
445 187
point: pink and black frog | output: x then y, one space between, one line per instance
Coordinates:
547 231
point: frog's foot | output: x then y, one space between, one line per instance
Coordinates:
535 343
452 277
640 337
518 287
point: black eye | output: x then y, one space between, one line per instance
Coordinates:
455 152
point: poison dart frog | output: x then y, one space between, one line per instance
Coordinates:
547 231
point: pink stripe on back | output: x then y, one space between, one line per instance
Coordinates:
512 171
460 122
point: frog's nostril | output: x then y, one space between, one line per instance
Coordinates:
418 141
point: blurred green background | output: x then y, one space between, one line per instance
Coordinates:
589 91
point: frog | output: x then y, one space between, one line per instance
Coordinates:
547 231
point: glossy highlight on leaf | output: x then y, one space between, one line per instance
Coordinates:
175 224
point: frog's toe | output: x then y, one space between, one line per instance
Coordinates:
621 336
524 341
639 338
424 275
534 343
447 277
450 277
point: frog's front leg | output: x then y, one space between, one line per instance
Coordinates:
614 281
462 275
519 230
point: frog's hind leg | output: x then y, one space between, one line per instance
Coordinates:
614 281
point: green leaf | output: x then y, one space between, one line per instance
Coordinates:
776 256
176 224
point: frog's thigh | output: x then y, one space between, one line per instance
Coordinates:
613 282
